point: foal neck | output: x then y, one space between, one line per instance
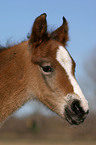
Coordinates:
14 66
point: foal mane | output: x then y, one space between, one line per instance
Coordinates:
9 45
2 48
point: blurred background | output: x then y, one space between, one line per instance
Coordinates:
33 123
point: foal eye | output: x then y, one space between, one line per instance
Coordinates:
46 69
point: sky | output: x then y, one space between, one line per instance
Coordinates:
17 17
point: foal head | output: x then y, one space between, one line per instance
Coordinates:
54 70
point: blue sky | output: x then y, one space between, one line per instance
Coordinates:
17 17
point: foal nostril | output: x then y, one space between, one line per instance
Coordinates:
87 112
75 106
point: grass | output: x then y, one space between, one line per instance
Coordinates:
30 142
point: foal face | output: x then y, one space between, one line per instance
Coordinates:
56 68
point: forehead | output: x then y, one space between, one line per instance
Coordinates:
57 51
50 48
47 50
52 51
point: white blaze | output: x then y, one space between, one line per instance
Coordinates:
65 61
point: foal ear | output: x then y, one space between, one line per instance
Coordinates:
61 34
39 30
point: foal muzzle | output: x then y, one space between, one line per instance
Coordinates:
74 112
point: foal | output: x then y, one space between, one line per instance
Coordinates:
41 68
